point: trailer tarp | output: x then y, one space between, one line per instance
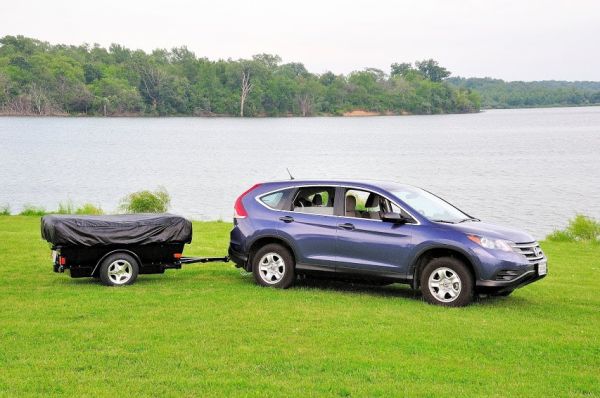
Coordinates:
122 229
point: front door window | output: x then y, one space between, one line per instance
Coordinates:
364 204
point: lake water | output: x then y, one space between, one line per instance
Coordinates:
530 168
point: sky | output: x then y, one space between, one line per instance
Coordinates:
511 40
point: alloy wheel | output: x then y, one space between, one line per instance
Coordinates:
120 272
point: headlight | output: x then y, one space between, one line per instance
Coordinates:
491 243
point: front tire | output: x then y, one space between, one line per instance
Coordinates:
273 266
119 269
448 282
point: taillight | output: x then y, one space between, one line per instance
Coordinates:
62 260
176 256
238 209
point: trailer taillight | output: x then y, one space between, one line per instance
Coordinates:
177 256
238 209
62 260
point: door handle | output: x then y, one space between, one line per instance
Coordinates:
347 226
287 219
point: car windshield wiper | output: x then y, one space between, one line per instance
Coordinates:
470 219
444 221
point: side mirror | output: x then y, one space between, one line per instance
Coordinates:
395 218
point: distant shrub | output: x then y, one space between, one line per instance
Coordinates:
30 210
5 210
560 236
89 209
65 208
146 202
580 228
584 228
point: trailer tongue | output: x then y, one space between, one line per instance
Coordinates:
117 248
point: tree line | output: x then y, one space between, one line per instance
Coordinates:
38 78
496 93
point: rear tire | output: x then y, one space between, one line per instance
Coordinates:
273 266
448 282
119 269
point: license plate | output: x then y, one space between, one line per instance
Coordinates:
542 268
54 256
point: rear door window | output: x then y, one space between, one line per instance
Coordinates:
314 200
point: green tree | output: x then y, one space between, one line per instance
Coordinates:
400 69
39 78
432 70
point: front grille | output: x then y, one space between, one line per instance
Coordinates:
530 250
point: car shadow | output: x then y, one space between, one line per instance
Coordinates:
393 290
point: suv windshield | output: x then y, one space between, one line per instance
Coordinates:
430 206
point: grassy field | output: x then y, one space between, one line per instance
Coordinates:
208 330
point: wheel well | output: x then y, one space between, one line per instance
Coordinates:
262 242
96 269
430 254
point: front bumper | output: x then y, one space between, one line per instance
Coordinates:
529 275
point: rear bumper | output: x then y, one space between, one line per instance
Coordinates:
240 259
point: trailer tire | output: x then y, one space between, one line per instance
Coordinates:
119 269
274 266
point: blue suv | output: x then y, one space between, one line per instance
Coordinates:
378 232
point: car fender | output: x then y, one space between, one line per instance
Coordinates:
442 244
273 234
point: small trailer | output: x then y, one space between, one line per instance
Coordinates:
116 248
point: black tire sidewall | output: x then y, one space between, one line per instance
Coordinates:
103 274
466 294
289 275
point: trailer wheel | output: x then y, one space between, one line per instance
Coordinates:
119 269
273 266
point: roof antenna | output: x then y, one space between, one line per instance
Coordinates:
291 176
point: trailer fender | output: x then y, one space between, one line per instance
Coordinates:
113 252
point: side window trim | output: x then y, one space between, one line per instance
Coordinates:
339 203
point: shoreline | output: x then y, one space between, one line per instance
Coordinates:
357 113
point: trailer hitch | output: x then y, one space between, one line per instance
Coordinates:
192 260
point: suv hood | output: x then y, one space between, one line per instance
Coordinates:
492 231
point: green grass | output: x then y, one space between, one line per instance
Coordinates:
208 330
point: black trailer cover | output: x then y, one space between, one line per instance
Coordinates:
121 229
